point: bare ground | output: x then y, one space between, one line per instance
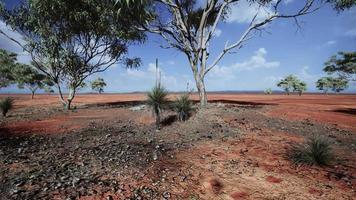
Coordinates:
231 150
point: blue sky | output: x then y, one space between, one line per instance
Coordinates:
264 60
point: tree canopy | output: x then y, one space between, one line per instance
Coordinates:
28 77
343 64
71 40
292 83
98 85
337 84
7 64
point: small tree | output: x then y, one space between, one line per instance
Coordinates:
27 77
287 84
324 84
300 87
48 89
268 91
98 85
6 105
156 99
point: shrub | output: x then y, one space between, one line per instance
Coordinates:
156 98
315 151
268 91
183 106
6 105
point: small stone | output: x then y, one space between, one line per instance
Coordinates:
166 195
155 156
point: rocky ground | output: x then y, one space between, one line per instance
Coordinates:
227 151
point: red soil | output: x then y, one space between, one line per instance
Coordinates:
338 110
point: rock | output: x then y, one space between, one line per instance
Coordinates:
109 197
138 108
155 156
166 195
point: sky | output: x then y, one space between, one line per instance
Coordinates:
281 50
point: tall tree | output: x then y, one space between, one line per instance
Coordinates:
189 27
98 85
343 64
72 40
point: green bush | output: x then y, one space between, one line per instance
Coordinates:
183 107
6 105
268 91
156 99
315 151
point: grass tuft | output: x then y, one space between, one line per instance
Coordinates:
183 107
6 105
315 151
156 99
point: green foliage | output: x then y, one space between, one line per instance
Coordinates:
343 64
183 107
315 151
324 83
48 89
268 91
292 83
28 77
6 105
71 40
339 84
300 87
7 63
335 84
288 83
98 85
156 99
341 5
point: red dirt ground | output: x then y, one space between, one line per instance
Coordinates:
251 167
338 110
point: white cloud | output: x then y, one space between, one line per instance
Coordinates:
244 11
330 42
143 80
288 1
258 60
351 32
217 32
171 62
7 44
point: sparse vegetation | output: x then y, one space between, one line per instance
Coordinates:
335 84
292 83
98 85
183 107
300 87
156 99
315 151
6 105
268 91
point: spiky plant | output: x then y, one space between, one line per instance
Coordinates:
183 107
156 99
6 105
315 151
